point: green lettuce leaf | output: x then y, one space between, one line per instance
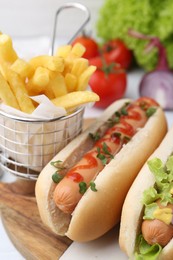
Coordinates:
154 18
150 195
149 210
146 251
162 190
169 166
157 168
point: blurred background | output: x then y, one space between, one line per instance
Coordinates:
30 23
35 18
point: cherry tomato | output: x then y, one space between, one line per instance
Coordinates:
92 49
109 87
116 51
96 61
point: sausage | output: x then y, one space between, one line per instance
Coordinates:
67 193
156 231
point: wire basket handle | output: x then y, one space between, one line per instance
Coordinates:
67 6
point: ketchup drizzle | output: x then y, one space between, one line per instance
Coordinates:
111 136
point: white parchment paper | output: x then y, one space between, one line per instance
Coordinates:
32 143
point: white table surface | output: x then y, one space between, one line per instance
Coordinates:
7 250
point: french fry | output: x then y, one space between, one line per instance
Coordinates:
63 77
7 52
75 99
58 86
6 94
40 78
48 89
71 82
50 62
22 68
18 87
85 77
78 50
31 88
79 66
49 92
68 66
63 51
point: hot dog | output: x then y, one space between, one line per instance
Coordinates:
146 230
76 192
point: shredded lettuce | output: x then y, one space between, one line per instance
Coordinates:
163 191
163 177
150 195
149 210
147 252
150 17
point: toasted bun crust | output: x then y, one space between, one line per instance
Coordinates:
97 212
132 211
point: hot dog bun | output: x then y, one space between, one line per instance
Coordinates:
98 212
132 212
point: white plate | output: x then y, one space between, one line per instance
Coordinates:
106 247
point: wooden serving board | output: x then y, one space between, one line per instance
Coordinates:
22 222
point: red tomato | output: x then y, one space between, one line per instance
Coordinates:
116 51
92 49
96 61
109 87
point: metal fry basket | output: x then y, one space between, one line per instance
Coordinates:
27 145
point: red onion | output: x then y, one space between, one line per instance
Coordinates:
157 84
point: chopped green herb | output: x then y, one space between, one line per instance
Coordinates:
95 136
117 113
106 151
150 111
126 139
102 158
56 177
116 134
127 103
113 121
93 186
58 165
82 187
124 111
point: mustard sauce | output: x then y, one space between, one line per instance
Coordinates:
165 215
171 191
